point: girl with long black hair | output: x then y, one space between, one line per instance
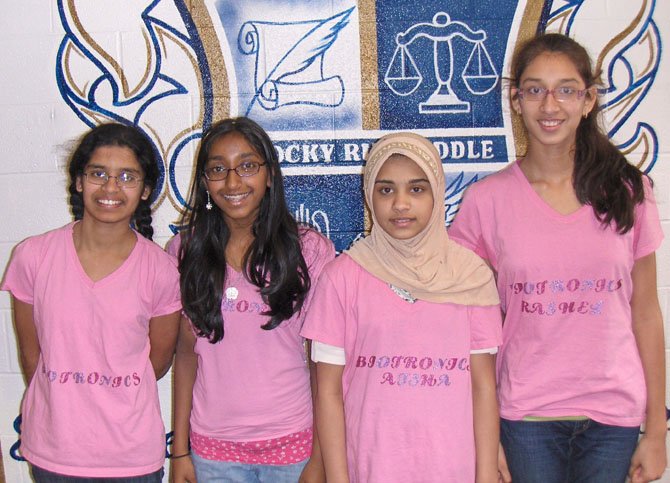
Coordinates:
242 383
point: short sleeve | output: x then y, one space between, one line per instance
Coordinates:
647 230
485 327
173 244
466 229
325 320
19 277
167 296
318 251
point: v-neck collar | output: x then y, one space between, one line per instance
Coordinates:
542 204
90 283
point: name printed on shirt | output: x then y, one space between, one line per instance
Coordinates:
573 285
92 378
425 376
230 305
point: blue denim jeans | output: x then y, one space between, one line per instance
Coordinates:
41 475
567 451
207 471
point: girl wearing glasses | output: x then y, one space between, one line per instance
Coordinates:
242 399
96 306
571 229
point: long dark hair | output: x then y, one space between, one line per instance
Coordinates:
273 262
602 176
115 134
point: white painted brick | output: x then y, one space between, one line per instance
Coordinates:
664 302
15 471
32 64
36 14
38 137
38 203
663 258
6 341
10 402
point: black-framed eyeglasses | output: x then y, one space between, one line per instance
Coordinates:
220 172
124 179
561 94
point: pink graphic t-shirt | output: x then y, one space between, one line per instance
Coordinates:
254 384
406 380
565 286
92 408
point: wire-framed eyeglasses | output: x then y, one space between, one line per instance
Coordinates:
561 94
100 177
220 172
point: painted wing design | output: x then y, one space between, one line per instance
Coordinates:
311 46
454 193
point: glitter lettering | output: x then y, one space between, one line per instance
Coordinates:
92 378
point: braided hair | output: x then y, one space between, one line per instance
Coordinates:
115 134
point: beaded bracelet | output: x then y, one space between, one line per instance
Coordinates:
180 456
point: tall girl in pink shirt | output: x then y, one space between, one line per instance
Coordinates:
96 307
571 229
242 400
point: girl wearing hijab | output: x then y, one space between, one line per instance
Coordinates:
404 328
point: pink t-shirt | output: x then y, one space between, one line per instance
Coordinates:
565 285
406 380
92 407
254 384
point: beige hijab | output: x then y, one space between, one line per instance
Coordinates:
428 266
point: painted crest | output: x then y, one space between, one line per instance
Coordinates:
327 78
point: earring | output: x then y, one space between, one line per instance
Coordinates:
208 206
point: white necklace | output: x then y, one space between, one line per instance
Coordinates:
403 294
231 291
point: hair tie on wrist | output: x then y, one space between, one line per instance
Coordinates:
180 456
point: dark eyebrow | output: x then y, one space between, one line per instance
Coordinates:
419 180
104 168
561 81
384 181
243 156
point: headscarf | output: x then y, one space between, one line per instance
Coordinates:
428 266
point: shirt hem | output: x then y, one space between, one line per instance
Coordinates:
93 471
170 309
598 417
262 437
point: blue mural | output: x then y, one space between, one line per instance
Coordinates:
283 81
442 65
289 65
300 69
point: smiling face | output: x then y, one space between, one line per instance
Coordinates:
551 123
239 198
402 199
109 203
